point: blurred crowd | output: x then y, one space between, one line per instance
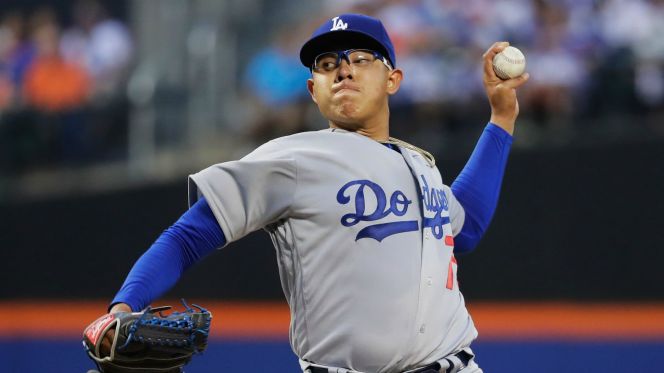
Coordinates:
594 64
591 62
61 86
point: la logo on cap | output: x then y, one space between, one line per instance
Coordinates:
338 24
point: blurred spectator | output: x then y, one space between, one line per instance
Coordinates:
53 84
55 92
417 50
276 82
100 44
17 51
557 70
18 136
103 47
648 47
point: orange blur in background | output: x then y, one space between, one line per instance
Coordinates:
270 320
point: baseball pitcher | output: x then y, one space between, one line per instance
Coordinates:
365 227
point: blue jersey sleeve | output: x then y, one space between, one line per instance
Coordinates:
195 235
478 185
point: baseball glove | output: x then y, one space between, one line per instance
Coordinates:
148 341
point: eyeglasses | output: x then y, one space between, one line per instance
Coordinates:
358 58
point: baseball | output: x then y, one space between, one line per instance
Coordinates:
509 63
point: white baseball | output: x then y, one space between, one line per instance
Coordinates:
509 63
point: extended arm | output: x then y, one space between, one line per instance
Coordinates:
239 197
192 237
478 185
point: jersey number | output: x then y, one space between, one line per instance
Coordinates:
450 273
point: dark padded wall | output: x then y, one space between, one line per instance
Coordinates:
572 224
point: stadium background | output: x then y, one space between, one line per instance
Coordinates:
106 107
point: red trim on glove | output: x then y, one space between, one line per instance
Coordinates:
94 330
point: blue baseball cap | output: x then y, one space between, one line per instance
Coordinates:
348 31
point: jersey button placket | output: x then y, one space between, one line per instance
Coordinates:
428 249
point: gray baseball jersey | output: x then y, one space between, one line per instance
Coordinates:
364 240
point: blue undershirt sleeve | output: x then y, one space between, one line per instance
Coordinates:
195 235
478 185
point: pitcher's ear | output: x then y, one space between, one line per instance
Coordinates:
394 81
310 88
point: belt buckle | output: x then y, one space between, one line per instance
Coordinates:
463 358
